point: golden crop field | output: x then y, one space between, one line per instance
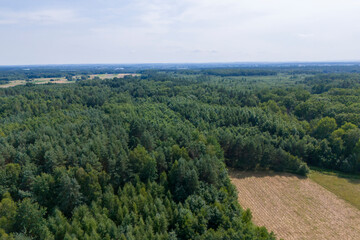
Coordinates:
295 207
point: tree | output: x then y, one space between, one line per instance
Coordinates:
325 127
8 210
9 178
141 163
43 188
68 191
183 179
29 219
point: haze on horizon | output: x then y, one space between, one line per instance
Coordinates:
163 31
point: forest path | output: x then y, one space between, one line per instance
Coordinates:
295 207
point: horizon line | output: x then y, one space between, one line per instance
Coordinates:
191 63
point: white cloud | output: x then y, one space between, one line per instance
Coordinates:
7 21
184 31
47 16
305 35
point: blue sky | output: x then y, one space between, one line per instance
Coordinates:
153 31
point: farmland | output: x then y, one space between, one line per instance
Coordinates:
296 207
35 81
106 76
345 186
63 80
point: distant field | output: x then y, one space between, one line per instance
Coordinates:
35 81
13 83
62 80
344 186
296 208
105 76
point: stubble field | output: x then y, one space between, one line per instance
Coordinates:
294 207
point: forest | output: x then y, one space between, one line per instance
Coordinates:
146 157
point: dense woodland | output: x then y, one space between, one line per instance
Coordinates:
146 157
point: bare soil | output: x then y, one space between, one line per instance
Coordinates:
294 207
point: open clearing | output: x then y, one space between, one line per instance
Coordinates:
34 81
63 80
13 83
294 207
106 76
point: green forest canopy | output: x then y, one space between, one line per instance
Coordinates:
145 157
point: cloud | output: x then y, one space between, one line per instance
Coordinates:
179 31
7 21
43 17
305 35
202 51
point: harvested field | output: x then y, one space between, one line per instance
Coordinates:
109 76
13 84
294 207
63 80
34 81
47 80
346 187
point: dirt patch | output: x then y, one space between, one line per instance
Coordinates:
294 207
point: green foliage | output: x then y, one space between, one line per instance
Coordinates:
9 178
325 127
183 179
140 162
29 219
145 157
8 210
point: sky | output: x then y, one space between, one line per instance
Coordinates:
182 31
